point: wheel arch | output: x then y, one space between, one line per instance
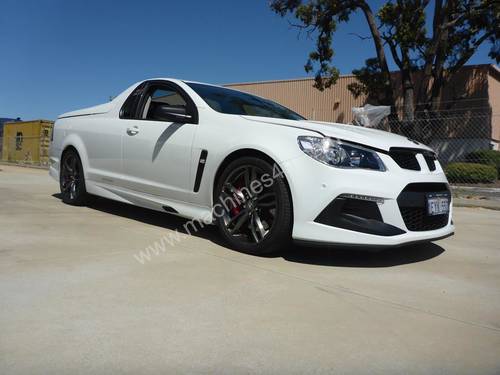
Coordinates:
67 148
75 143
245 152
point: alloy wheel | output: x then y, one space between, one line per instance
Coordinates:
70 176
249 205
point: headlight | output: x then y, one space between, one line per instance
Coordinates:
340 154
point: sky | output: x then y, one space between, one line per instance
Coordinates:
61 55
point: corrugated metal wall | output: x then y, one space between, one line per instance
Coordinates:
299 95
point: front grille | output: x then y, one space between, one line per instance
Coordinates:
417 220
412 204
406 159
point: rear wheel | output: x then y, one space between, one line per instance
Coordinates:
72 180
253 206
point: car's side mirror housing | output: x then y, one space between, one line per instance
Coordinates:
165 112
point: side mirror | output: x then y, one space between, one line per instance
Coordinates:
164 112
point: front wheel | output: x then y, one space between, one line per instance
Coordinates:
72 179
253 208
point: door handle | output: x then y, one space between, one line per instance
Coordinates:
133 130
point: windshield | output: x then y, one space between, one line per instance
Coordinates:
239 103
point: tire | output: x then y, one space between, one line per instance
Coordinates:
72 179
251 220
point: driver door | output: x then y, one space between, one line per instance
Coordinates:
157 143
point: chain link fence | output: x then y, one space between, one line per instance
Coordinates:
466 142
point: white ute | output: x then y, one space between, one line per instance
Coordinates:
262 173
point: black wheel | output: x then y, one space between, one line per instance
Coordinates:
71 179
253 208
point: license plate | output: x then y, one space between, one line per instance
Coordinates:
437 204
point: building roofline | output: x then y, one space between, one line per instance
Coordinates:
275 81
490 66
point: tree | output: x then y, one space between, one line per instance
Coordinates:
459 27
370 82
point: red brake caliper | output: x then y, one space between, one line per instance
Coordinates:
236 209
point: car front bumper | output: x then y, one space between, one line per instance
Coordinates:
54 168
314 186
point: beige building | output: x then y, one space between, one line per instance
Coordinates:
470 105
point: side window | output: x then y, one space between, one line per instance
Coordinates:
128 110
159 101
160 98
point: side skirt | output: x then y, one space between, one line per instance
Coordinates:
153 202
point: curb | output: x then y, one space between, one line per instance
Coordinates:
482 189
477 203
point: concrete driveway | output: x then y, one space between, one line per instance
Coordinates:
74 299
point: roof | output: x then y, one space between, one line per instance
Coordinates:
19 122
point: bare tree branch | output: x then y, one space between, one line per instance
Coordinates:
361 36
394 52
